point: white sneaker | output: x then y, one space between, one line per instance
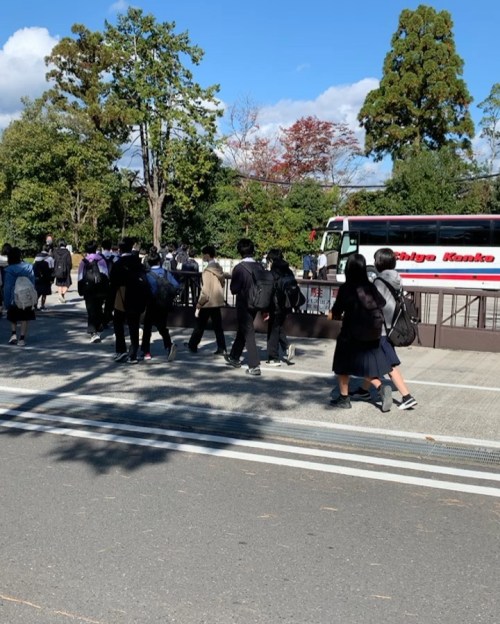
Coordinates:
172 352
13 339
96 337
290 352
21 342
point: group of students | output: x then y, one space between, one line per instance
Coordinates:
127 290
247 277
363 348
142 291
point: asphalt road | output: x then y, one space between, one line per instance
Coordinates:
180 492
193 538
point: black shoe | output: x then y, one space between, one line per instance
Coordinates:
407 403
273 362
361 394
232 361
342 402
191 349
220 352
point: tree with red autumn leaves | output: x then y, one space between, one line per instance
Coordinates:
312 148
326 151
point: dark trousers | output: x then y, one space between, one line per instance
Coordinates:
133 320
109 304
95 315
276 336
158 317
245 336
200 324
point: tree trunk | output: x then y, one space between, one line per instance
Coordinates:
155 204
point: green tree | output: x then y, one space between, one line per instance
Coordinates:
421 100
307 207
433 182
370 203
128 211
493 203
490 124
80 75
163 105
53 178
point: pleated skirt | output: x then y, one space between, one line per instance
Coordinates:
361 359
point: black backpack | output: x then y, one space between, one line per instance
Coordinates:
368 317
60 269
166 292
404 325
260 295
42 271
288 293
93 282
137 290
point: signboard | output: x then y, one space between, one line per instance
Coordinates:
319 298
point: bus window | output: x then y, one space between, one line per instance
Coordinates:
331 241
400 232
465 232
496 232
372 232
349 245
424 233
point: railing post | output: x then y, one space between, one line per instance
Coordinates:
481 313
439 320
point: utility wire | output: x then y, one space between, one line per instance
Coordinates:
354 186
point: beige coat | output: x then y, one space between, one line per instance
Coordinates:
212 287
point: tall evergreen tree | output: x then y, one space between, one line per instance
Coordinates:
421 100
490 124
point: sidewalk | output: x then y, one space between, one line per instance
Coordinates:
458 392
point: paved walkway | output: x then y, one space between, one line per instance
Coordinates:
458 392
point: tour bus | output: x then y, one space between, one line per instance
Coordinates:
432 250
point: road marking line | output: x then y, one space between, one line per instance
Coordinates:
263 459
270 446
421 436
289 370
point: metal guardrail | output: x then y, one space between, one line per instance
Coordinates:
452 318
319 295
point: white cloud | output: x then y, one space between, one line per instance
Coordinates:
338 103
22 69
302 67
120 6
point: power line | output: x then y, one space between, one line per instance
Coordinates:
353 186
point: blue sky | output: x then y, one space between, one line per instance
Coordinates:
291 59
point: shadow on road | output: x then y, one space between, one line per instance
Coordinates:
72 378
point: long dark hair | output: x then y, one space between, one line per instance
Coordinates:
355 270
